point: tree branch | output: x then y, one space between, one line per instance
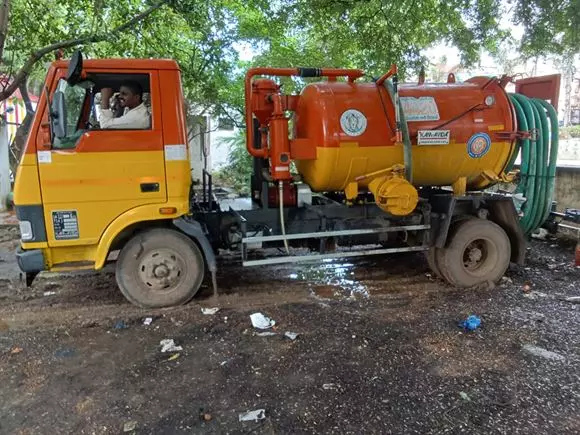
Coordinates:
25 97
4 14
85 40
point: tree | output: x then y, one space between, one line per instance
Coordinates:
24 14
197 34
238 169
551 27
372 34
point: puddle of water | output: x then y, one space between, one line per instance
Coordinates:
331 280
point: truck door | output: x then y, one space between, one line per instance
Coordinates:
94 175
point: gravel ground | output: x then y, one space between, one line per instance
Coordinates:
379 351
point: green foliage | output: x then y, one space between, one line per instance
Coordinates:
202 35
198 35
570 132
373 34
236 173
550 26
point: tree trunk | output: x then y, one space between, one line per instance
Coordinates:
4 14
19 141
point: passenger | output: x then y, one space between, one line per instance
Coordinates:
135 115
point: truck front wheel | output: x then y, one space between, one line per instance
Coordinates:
160 268
479 251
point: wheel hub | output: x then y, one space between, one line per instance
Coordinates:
161 269
475 255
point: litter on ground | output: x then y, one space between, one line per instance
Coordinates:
541 352
173 357
572 299
256 415
265 334
210 311
291 335
260 321
330 386
471 323
168 345
130 426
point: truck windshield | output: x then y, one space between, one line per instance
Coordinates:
74 102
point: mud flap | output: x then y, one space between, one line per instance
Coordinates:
503 212
194 230
30 278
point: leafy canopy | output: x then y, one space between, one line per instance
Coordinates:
204 35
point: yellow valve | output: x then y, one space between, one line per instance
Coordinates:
395 195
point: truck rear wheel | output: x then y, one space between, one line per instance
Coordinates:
431 256
160 268
479 251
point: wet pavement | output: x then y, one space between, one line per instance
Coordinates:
379 350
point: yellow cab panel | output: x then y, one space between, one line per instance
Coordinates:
78 191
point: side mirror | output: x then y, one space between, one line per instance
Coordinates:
75 68
58 115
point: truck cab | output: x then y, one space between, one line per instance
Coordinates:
80 189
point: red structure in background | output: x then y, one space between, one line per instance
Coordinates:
545 87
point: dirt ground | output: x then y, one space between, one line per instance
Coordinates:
379 351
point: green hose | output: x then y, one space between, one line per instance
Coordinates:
540 190
551 177
524 144
538 162
527 185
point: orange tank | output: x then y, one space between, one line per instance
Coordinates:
458 131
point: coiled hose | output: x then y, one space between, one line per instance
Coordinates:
538 158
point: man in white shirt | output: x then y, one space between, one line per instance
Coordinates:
135 117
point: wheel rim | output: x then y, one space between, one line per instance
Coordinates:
161 270
476 255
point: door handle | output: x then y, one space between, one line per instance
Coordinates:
149 187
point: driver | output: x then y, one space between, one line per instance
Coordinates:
135 115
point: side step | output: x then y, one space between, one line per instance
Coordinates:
325 234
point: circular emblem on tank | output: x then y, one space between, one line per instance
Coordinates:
478 145
353 122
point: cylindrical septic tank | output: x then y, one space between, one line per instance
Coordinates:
457 130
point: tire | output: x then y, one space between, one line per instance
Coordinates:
160 268
479 251
431 256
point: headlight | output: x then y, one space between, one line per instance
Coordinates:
26 231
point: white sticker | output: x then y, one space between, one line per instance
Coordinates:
281 168
433 137
420 109
175 152
353 122
44 156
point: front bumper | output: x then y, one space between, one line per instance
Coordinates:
30 261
